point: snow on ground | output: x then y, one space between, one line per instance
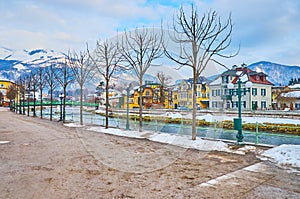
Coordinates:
73 125
178 140
4 142
285 155
219 118
173 115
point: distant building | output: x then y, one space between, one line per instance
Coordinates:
4 85
259 96
289 98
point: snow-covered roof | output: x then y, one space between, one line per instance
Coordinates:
295 86
295 94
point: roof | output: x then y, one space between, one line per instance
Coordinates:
248 75
291 94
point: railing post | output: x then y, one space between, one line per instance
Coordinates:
215 128
256 134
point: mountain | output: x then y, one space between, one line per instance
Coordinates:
278 74
14 62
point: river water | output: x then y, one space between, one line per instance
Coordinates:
208 132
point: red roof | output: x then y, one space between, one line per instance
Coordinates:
253 76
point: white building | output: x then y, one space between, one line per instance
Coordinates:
259 96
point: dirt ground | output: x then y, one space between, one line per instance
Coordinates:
45 159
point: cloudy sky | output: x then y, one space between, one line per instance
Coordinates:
265 29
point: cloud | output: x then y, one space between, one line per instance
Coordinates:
266 29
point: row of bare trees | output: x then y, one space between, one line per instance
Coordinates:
200 40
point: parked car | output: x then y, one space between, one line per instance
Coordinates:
183 108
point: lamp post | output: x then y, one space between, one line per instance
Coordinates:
61 96
21 105
237 122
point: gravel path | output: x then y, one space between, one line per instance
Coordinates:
43 159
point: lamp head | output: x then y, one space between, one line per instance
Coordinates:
249 84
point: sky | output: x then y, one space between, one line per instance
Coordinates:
264 29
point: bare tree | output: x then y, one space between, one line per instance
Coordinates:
34 85
83 69
164 80
201 40
52 84
64 77
140 48
11 94
107 60
41 84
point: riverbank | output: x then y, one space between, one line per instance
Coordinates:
43 159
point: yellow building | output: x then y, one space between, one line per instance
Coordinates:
202 96
175 96
185 93
4 85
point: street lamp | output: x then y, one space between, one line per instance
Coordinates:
237 122
127 92
61 96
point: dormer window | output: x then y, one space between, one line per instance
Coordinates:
257 77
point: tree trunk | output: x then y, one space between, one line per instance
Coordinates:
51 101
81 99
64 104
34 102
106 103
141 106
41 103
194 130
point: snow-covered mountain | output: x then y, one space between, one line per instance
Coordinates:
278 74
14 62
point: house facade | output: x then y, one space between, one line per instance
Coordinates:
258 97
4 85
289 98
185 93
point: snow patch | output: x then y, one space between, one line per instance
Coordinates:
285 155
4 142
73 125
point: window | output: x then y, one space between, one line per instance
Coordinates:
147 93
254 105
254 91
297 106
243 104
225 79
214 104
204 95
213 93
263 92
263 104
234 104
227 104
